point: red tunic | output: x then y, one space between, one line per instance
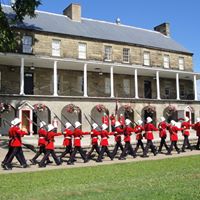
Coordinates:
94 136
42 134
67 137
50 140
186 128
105 120
138 130
197 128
148 131
173 133
127 134
117 134
122 120
113 120
78 133
16 134
162 129
104 137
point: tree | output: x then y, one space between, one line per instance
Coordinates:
21 8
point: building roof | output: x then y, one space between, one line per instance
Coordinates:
89 28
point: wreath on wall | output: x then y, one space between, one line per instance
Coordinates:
101 108
128 108
171 108
72 108
5 107
150 109
40 107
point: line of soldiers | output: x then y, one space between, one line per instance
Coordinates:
73 135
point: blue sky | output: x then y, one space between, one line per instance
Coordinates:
183 16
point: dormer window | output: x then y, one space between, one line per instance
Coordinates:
146 58
27 44
108 53
181 63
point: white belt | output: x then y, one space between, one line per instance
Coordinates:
41 137
68 137
77 138
94 138
104 138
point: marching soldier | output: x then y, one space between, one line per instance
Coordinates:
186 132
118 139
127 139
104 143
173 130
49 146
149 128
105 119
162 126
196 127
122 120
113 120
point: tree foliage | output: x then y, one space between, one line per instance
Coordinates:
21 8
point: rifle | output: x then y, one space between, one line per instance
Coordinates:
67 120
88 120
94 121
39 118
30 120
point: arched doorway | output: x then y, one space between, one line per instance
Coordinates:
170 113
149 111
127 111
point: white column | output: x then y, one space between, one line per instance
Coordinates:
177 87
85 81
158 84
55 79
136 85
195 88
22 77
111 82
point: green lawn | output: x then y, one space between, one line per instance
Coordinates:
177 178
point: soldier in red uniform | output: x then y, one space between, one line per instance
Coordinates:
138 130
196 127
94 140
127 139
104 143
67 142
173 130
105 119
49 146
78 134
16 144
113 120
122 120
162 126
186 132
149 128
118 139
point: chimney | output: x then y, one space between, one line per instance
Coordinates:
73 11
163 28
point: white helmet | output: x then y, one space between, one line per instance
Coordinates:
139 122
198 119
16 121
50 127
117 123
104 126
162 119
94 125
42 124
67 125
77 124
186 119
127 121
173 123
149 119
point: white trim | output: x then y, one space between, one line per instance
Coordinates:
55 79
158 85
195 88
22 77
111 82
85 80
177 87
136 85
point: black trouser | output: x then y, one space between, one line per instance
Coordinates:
163 142
198 143
46 157
41 150
117 146
149 145
103 150
139 143
68 149
186 143
173 143
128 148
18 153
94 147
80 150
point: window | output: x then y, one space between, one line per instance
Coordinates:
166 61
0 80
82 48
108 53
181 63
80 84
167 92
126 55
55 47
27 44
182 91
107 85
146 58
126 86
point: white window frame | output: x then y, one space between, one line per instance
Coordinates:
107 86
146 57
56 47
82 50
166 61
27 43
181 63
127 86
126 55
108 53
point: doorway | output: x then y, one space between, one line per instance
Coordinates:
147 90
28 83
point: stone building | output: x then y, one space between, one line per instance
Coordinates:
67 66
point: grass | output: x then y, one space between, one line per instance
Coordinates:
170 179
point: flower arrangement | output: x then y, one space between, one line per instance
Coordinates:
72 108
5 107
40 107
128 108
150 109
171 108
101 108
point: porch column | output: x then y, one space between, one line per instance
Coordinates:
177 87
158 84
195 88
55 79
136 85
111 82
85 81
22 77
